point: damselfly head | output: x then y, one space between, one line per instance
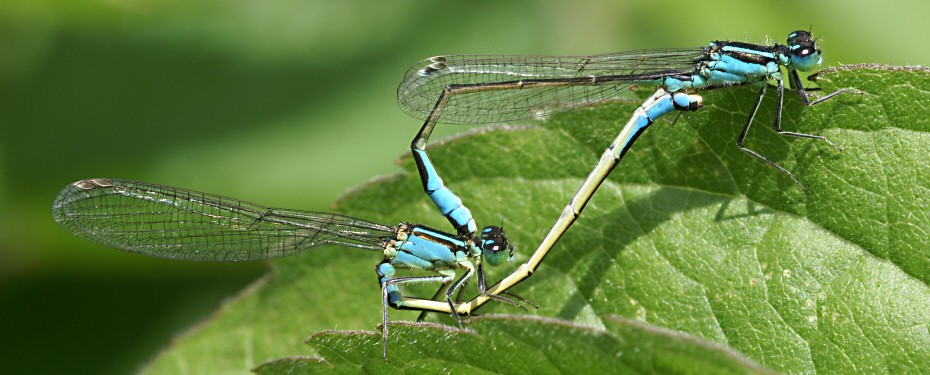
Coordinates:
803 50
495 247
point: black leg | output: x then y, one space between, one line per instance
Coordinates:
803 94
742 134
439 292
796 82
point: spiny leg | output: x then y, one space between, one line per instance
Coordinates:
780 90
454 287
392 296
439 292
506 297
796 82
384 319
510 298
742 138
799 87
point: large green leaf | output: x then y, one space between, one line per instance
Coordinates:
693 244
514 345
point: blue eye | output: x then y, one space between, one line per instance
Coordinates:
805 58
804 54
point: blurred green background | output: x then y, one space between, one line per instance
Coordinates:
286 103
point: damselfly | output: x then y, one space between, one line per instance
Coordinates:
176 223
482 89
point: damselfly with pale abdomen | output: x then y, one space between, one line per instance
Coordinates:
482 89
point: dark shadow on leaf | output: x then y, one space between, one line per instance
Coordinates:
724 213
620 228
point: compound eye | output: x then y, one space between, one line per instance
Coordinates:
804 50
494 245
798 37
801 44
805 56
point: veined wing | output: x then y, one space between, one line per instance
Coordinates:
176 223
425 81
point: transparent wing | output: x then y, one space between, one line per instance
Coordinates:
169 222
423 83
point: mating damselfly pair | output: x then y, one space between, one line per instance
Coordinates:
177 223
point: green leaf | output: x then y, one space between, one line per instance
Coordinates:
707 256
497 344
